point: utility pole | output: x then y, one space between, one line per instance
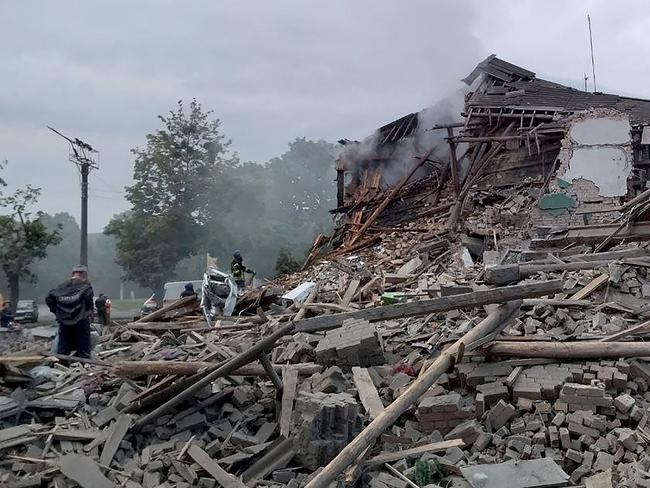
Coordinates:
591 45
85 169
86 158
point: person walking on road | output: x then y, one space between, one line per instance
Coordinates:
72 304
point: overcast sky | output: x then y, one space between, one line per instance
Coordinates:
271 71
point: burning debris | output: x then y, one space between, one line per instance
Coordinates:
477 318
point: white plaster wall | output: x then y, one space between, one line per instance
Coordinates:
607 167
601 130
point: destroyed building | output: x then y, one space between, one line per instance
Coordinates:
584 153
479 318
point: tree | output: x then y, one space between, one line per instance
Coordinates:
175 176
286 263
261 209
302 180
23 238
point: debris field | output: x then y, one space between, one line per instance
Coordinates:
478 320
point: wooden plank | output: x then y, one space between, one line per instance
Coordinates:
569 350
134 369
352 289
17 431
289 384
210 465
172 306
23 361
18 441
76 434
185 471
98 441
104 416
634 252
507 273
591 287
118 431
624 333
594 234
84 471
166 325
389 457
435 305
367 392
555 302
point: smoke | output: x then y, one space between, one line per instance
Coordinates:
397 158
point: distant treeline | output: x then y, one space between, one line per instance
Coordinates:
192 196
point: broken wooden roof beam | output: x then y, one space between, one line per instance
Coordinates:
509 273
594 234
434 305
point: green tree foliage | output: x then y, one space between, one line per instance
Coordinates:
191 196
286 263
24 238
302 179
175 177
281 205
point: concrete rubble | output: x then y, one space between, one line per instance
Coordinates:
558 396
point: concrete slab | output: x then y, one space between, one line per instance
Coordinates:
534 473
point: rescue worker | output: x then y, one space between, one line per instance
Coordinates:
72 304
7 316
188 291
100 306
238 270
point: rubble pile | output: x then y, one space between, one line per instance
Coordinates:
441 337
589 416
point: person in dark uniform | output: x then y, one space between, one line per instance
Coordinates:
100 307
188 291
72 304
6 316
238 270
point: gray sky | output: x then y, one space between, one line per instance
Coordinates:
270 70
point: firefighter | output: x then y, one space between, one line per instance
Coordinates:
72 304
238 270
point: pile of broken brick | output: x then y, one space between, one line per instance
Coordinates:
429 359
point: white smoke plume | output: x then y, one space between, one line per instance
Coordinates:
396 159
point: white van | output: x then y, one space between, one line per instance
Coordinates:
173 290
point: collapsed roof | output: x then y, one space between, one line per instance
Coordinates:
509 88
